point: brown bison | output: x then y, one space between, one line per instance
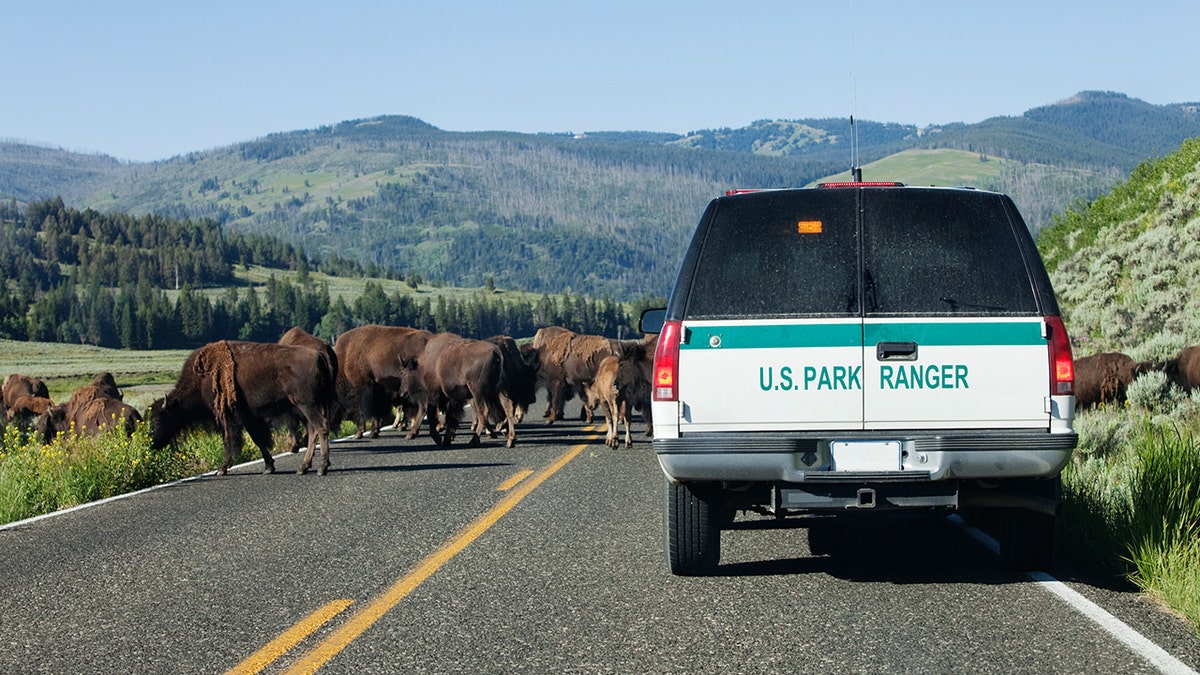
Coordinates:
108 384
1183 370
1103 378
622 384
520 377
28 408
568 365
369 360
451 372
16 386
87 414
248 386
551 344
298 337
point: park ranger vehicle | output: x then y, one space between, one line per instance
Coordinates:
843 351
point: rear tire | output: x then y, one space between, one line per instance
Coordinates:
693 514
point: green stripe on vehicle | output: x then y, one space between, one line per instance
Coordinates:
966 333
773 336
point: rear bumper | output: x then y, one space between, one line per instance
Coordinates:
806 457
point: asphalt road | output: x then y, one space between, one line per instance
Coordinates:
407 557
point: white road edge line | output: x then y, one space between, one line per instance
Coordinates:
1157 656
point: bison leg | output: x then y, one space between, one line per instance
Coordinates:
482 410
318 432
510 416
453 416
231 433
625 414
296 440
610 420
554 405
432 420
260 433
323 434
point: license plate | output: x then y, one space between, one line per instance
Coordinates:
866 455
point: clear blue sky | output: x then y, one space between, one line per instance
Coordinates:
151 79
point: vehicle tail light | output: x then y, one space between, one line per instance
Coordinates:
1062 365
666 362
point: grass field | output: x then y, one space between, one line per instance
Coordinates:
65 368
943 168
350 288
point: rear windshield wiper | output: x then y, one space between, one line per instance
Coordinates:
955 305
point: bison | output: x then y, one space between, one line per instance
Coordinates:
88 414
106 383
520 377
248 386
622 383
568 365
28 408
452 371
1183 370
16 386
298 337
369 360
1103 378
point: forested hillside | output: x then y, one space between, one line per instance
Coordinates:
539 213
599 214
153 282
29 173
1126 267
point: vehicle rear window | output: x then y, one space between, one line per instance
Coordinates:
787 253
942 252
779 254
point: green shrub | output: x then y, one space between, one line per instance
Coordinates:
36 478
1165 550
1131 495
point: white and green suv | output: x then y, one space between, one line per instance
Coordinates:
858 348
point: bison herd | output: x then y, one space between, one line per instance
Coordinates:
301 382
89 409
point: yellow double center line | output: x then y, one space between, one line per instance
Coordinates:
372 612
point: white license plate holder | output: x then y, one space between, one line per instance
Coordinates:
866 455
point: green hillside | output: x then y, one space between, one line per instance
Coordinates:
1126 266
547 214
944 168
1040 191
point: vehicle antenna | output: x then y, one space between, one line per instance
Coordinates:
855 169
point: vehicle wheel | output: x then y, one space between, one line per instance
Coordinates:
693 527
1027 538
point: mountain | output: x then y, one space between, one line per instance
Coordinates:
600 213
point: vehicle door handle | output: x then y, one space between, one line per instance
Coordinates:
896 351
